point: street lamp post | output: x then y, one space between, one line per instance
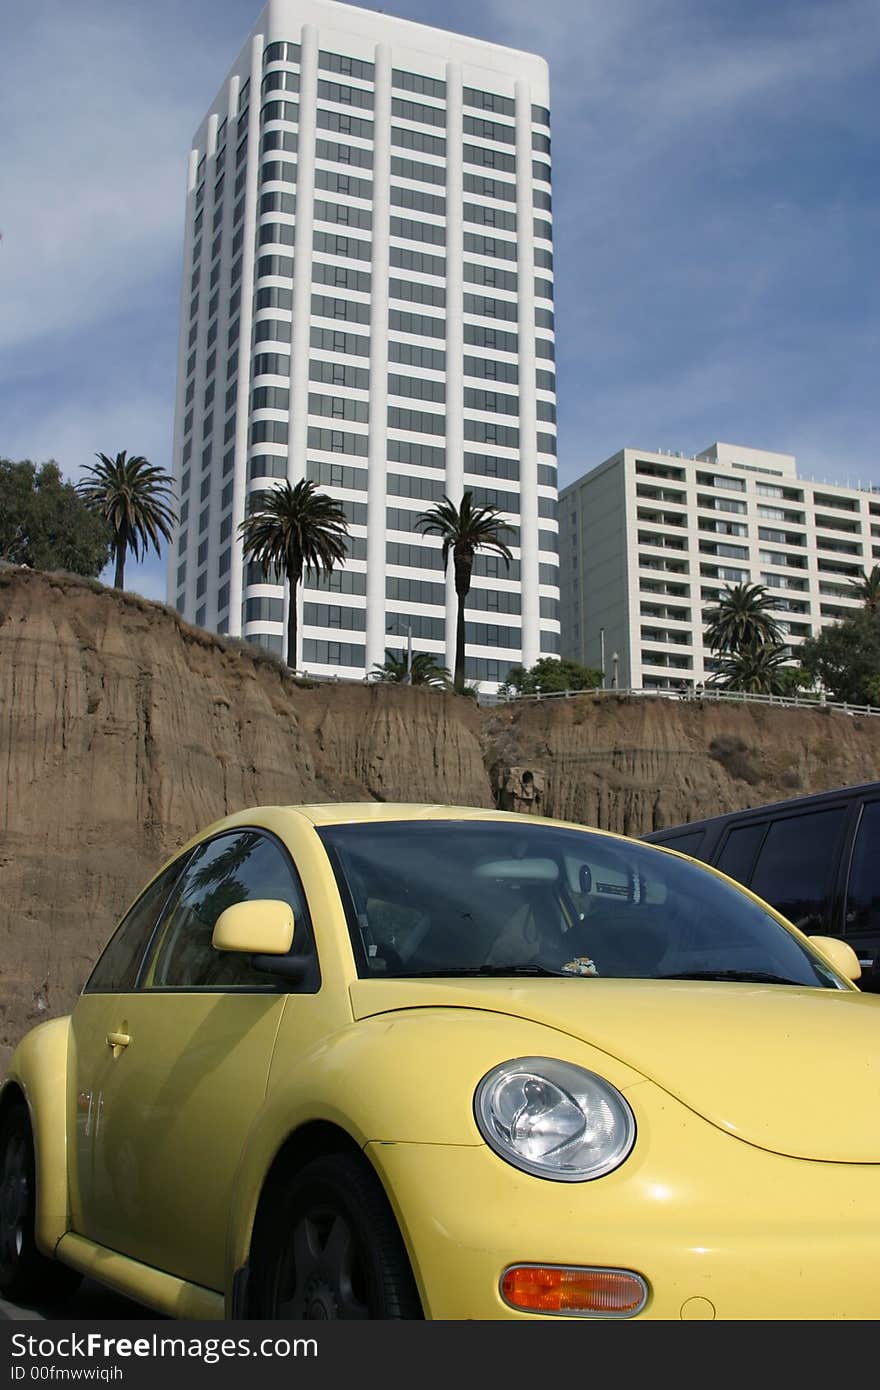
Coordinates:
407 680
614 660
602 654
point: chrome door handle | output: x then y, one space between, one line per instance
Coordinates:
115 1040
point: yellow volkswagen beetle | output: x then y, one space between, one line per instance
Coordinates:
406 1061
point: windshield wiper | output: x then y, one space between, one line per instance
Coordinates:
463 971
757 977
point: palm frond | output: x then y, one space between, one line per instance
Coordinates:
425 669
759 669
463 530
867 588
134 497
294 528
741 619
466 528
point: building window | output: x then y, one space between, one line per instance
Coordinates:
418 140
489 130
346 67
417 112
415 82
349 654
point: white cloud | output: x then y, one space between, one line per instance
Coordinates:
72 431
697 277
92 183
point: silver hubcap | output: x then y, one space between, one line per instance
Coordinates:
324 1273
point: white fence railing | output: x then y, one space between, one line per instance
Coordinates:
689 696
802 701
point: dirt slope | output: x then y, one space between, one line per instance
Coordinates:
123 731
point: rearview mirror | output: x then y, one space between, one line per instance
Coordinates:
261 927
841 955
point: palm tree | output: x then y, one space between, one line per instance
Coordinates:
464 530
295 528
867 588
132 496
741 619
759 669
425 669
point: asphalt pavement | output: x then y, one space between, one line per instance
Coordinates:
91 1303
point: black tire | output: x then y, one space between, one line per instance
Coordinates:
25 1274
334 1250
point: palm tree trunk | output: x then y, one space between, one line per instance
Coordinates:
292 626
463 567
119 576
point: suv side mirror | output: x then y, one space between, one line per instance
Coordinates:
261 927
840 954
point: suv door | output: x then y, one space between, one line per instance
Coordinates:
862 911
797 866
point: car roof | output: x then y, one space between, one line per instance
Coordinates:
364 812
341 813
367 812
793 804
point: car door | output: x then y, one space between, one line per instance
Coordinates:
185 1066
96 1015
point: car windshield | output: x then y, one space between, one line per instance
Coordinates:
446 898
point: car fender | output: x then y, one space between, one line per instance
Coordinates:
401 1077
38 1068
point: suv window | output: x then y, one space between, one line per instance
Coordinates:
863 894
234 868
796 864
117 968
686 843
738 851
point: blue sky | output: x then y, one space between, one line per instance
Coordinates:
716 211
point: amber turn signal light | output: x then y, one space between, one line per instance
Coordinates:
573 1290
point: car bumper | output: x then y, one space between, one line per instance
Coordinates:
725 1231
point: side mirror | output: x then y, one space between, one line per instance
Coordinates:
840 954
261 927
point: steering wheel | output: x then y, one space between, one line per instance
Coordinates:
392 959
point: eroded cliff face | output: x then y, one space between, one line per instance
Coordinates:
637 764
123 731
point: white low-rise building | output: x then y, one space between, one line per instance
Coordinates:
648 542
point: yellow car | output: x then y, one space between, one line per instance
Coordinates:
416 1061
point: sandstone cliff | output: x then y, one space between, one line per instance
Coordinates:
637 764
123 731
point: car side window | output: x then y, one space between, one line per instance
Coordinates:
863 893
796 865
738 851
233 868
117 969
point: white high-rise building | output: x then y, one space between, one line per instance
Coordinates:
650 540
368 302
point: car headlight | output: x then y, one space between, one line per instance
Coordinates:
554 1119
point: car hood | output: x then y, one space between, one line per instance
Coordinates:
788 1069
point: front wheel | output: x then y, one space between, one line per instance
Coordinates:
336 1251
25 1274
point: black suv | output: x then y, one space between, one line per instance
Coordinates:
815 858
